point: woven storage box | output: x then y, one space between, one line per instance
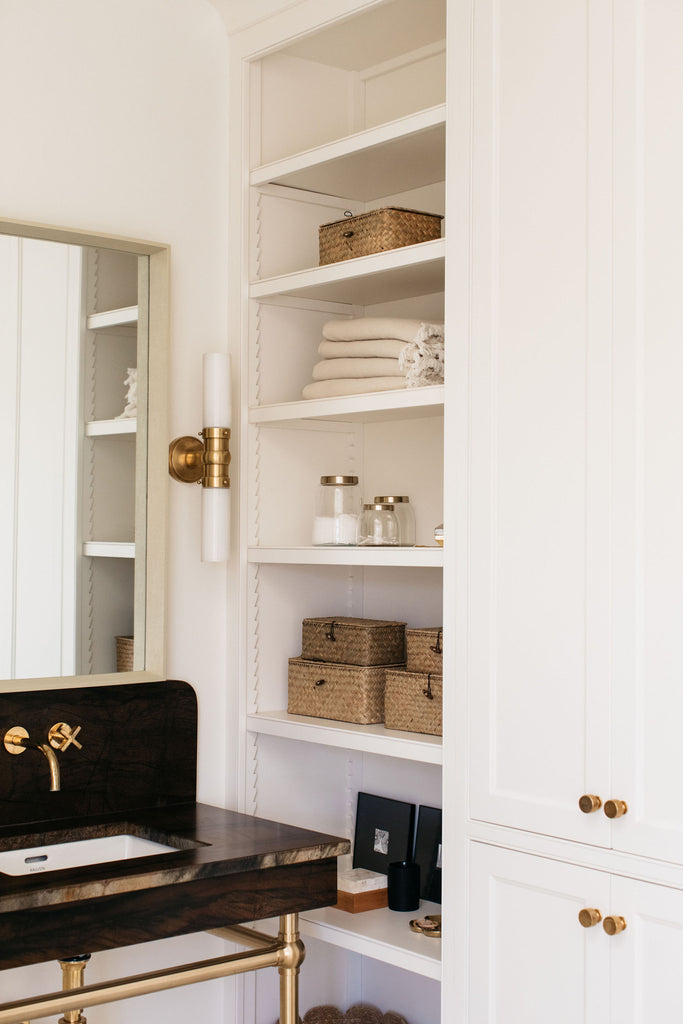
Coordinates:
361 1013
413 701
124 653
344 693
349 641
424 650
388 228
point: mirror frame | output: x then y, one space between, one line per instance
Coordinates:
157 446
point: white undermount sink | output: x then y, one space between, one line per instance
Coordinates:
79 853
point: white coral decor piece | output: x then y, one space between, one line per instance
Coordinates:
422 360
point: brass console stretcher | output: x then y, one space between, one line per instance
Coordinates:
286 953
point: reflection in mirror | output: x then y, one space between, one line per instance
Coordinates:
73 410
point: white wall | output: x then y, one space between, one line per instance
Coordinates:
114 119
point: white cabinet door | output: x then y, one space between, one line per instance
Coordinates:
576 431
540 414
531 961
648 437
646 982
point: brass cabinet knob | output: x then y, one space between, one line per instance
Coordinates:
589 802
615 808
614 925
589 916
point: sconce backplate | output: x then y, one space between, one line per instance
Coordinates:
185 459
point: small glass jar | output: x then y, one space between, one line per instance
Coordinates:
336 511
378 525
404 514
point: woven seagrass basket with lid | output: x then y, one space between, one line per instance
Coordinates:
390 227
362 1013
346 640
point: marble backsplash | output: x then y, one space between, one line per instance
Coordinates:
139 750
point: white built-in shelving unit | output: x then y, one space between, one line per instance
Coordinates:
423 556
367 280
367 934
560 589
370 739
396 405
402 154
380 140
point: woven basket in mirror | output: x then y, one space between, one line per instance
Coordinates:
124 653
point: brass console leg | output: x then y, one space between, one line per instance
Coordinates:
292 957
72 977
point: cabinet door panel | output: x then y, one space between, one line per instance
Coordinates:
646 981
648 474
538 430
531 960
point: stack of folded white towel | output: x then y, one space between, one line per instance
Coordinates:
377 354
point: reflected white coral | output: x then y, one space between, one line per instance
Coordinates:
131 382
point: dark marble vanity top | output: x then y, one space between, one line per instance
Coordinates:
214 843
135 775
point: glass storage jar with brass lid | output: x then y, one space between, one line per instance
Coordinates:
404 514
378 526
337 509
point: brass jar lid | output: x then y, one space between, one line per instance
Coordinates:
342 481
379 506
391 499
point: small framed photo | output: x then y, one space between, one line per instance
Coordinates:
384 832
428 852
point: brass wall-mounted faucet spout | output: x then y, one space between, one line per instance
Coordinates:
17 741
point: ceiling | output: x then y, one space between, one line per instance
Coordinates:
237 14
398 26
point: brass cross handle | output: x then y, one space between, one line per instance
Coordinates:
62 736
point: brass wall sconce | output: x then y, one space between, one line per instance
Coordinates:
206 459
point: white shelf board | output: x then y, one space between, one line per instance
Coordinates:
423 557
383 161
124 317
111 428
371 739
381 934
380 277
380 405
108 549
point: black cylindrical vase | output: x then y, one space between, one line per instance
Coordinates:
403 885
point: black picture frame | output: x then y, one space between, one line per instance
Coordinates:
384 832
428 852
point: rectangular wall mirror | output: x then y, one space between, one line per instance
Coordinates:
83 332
